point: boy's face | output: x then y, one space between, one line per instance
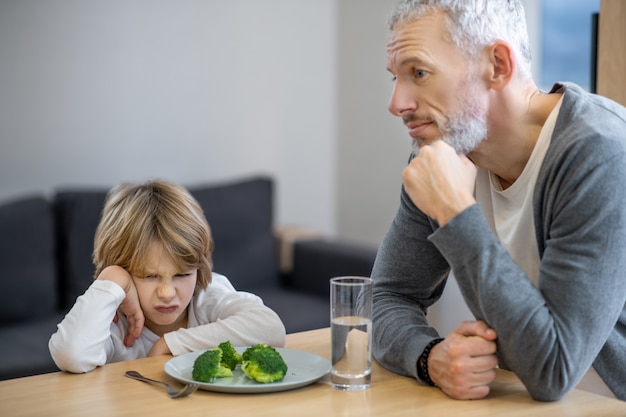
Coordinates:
164 292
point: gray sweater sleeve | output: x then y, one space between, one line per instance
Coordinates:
409 276
548 335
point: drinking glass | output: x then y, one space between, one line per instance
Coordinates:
351 332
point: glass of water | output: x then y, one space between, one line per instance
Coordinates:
351 332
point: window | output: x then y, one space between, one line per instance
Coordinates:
567 42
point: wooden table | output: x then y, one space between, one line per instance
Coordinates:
106 392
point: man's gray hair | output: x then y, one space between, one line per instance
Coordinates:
474 24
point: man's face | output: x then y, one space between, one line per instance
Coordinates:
435 93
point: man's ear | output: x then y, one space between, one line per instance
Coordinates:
502 64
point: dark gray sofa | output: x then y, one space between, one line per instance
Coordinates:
45 260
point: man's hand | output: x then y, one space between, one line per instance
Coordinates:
463 365
130 307
440 182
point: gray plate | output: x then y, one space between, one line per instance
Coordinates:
304 368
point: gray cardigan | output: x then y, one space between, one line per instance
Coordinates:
550 335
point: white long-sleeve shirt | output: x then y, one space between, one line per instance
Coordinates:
87 337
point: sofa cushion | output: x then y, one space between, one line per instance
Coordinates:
241 218
24 347
298 311
316 261
77 214
27 256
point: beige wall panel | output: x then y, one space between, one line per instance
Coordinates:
611 75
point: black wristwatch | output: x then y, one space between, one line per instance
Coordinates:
422 362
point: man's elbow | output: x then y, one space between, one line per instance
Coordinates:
549 393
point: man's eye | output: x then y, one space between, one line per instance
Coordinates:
394 78
420 73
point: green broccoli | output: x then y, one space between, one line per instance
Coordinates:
223 372
230 357
263 363
207 367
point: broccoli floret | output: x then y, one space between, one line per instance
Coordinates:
263 363
230 357
207 367
223 372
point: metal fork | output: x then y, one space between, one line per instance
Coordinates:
171 391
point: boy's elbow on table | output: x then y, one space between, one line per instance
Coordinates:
65 357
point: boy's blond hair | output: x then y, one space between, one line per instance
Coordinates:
137 215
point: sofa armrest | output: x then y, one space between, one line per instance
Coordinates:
315 261
286 237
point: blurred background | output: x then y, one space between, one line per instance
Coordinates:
94 92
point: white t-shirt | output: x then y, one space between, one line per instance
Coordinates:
511 216
510 211
87 337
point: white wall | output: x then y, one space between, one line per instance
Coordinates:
373 145
93 92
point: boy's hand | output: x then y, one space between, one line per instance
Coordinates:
130 307
159 348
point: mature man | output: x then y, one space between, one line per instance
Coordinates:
518 193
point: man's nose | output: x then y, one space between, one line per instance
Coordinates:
402 100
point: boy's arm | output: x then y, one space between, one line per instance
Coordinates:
220 313
130 306
83 339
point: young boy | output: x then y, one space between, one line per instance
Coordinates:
154 291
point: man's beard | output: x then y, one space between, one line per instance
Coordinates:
463 130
